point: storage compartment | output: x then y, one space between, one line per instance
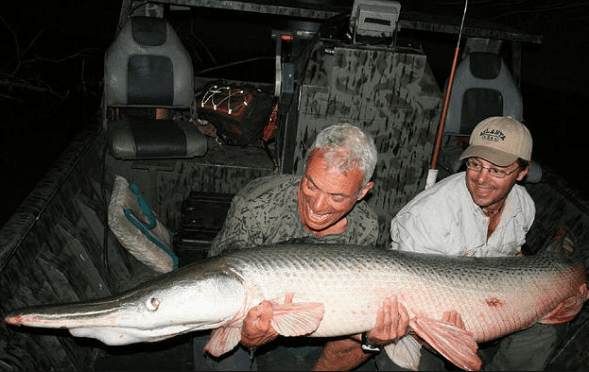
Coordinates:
203 215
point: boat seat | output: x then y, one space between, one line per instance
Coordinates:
147 73
482 87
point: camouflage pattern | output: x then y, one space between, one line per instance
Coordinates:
392 95
166 183
266 212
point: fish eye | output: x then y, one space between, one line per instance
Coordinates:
152 304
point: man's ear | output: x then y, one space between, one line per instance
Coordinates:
523 172
365 190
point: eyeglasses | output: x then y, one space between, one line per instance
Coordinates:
476 166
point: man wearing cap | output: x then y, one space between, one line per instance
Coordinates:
483 213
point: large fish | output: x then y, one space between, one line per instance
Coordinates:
335 291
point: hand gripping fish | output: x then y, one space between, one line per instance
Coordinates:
336 291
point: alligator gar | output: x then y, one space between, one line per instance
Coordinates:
335 291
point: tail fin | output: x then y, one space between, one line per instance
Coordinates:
564 244
568 309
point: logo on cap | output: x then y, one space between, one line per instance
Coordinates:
492 135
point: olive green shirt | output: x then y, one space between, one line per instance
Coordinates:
266 212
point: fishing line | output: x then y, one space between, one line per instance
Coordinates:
433 172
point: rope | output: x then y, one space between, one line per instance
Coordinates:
224 95
144 227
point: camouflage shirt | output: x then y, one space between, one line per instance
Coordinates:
266 212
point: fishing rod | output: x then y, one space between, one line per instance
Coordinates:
432 174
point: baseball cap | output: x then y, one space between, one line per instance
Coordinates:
500 140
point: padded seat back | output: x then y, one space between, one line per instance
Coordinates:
482 87
147 65
148 68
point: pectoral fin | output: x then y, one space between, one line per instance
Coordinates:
288 320
406 352
223 340
297 319
454 343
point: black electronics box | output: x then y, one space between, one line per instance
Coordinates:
203 215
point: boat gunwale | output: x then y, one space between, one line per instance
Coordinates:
25 217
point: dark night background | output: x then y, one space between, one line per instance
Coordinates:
52 57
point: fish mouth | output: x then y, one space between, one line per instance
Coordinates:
116 336
147 314
106 330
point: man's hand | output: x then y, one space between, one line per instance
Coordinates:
392 321
340 355
257 329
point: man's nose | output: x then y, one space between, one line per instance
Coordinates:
483 175
320 202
